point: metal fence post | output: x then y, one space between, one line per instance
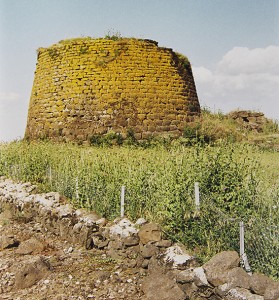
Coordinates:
77 189
243 256
122 203
197 196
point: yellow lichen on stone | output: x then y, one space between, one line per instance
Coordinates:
89 86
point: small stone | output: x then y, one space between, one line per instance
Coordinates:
148 250
123 228
131 241
259 283
177 257
163 244
140 221
101 222
7 242
159 286
185 276
272 291
242 294
150 233
199 277
236 277
117 245
145 263
31 272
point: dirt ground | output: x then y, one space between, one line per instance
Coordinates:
37 265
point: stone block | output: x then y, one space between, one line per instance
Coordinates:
31 271
259 283
272 291
142 81
150 233
217 267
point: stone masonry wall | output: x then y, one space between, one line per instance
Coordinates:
171 272
84 87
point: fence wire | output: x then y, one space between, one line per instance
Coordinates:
261 236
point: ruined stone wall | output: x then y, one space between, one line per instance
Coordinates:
171 271
249 119
84 87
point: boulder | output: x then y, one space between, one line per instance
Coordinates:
237 277
272 291
122 229
216 269
259 283
159 286
242 294
195 275
148 250
185 276
150 233
30 246
7 242
176 257
163 244
132 240
31 271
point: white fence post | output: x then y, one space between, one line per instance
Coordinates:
77 189
243 256
50 175
122 203
241 239
197 196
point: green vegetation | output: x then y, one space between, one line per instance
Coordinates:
183 60
53 53
238 181
113 35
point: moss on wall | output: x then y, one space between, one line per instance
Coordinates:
84 87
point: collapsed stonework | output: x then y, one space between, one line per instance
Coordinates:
171 272
249 119
85 87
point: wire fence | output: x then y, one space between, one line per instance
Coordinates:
210 226
257 238
262 246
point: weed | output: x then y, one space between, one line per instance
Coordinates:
83 49
53 53
113 35
237 182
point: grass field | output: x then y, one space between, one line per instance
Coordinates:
238 181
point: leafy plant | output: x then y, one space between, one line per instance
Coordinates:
159 184
113 35
53 53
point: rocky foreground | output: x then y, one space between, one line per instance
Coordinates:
37 265
49 250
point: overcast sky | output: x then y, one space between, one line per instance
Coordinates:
233 46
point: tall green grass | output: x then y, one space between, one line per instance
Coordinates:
234 183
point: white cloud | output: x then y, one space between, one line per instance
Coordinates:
11 111
245 61
243 78
8 99
11 96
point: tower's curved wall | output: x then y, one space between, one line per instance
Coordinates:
84 87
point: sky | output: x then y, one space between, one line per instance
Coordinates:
233 46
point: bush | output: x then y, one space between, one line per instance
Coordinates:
159 185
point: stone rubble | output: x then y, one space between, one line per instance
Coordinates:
51 251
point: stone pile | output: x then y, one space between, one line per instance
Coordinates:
249 119
171 272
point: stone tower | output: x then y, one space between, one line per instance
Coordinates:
85 87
